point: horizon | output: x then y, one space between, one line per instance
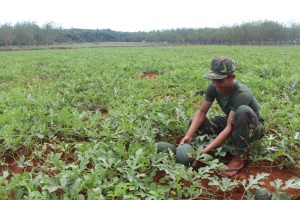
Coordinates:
57 25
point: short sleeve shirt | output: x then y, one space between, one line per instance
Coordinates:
240 95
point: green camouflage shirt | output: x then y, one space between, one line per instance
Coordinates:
240 95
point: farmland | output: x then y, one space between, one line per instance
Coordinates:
82 123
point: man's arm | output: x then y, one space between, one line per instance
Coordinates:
222 137
197 121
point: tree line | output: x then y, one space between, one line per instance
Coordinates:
248 33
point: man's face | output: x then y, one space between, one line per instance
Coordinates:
224 85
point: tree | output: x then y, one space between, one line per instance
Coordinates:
271 31
257 32
27 33
31 30
7 34
50 32
293 33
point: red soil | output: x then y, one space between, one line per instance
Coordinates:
149 75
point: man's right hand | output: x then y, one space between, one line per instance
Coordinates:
186 139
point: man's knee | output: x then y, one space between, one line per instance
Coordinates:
244 109
246 121
244 114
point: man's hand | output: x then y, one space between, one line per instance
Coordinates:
186 139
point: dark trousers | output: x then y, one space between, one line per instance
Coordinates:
246 128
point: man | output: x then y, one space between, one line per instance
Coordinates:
243 122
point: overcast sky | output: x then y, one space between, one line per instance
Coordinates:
147 15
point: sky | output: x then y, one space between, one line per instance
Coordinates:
147 15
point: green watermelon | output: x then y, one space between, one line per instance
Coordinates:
262 194
185 154
165 146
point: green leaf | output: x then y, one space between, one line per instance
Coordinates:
80 197
292 183
5 174
276 183
129 176
50 188
254 181
226 184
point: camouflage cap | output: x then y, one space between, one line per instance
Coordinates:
220 68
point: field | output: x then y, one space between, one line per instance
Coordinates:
83 123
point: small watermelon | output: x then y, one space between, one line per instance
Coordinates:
262 194
185 154
165 146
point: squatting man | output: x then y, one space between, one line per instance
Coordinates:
242 122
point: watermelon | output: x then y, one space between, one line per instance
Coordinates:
262 194
165 146
185 154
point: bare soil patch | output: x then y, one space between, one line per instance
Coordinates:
149 75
